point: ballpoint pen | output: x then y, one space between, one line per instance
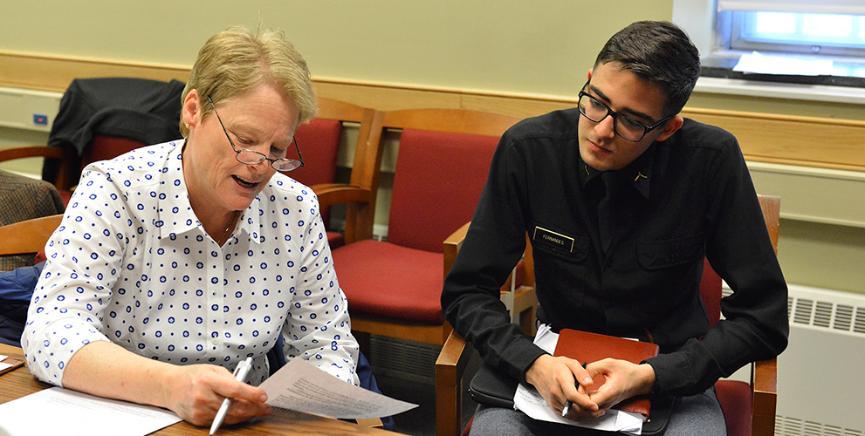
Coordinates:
568 403
240 372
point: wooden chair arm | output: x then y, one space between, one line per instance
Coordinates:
370 422
27 236
449 369
330 194
31 151
764 378
451 246
43 151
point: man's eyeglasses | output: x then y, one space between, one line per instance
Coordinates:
625 126
250 157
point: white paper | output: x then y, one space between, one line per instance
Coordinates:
530 402
3 366
305 388
62 411
759 63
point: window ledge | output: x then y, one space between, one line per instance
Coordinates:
797 91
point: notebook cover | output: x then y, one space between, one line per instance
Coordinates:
589 347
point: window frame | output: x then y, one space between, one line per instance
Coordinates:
732 38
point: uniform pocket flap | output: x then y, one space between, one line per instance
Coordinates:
665 253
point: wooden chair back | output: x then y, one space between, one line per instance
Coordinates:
28 236
359 195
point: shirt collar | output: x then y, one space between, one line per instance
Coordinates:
174 212
639 172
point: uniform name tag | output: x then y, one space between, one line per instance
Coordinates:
553 238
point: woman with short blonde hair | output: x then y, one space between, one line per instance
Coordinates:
176 262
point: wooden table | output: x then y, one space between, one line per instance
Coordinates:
20 382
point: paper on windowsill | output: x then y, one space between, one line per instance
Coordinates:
530 402
62 411
300 386
759 63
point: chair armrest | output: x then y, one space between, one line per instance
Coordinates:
451 246
27 236
764 378
449 369
64 156
330 194
31 151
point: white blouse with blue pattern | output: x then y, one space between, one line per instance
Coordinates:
132 264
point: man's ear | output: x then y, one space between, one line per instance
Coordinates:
673 125
191 110
589 75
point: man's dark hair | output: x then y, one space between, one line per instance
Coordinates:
659 52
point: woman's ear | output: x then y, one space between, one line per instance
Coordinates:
191 110
670 128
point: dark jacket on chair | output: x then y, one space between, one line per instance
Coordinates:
144 110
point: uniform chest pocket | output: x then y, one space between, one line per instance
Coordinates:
571 247
666 253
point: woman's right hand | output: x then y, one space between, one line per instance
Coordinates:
195 393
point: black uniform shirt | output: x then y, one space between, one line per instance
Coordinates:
684 199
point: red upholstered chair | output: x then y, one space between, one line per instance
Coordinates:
319 141
749 408
101 147
394 287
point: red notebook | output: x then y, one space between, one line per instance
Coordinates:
590 347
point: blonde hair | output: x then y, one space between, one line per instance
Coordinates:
235 61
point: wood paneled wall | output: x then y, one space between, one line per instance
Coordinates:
802 141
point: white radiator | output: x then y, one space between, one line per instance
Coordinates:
821 374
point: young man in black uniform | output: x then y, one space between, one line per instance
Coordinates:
622 198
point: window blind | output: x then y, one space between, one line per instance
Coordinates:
801 6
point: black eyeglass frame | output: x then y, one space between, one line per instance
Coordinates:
263 157
615 115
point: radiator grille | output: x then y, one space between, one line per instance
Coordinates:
815 308
404 360
844 316
788 426
823 322
859 324
802 309
828 314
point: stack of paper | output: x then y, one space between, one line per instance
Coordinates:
530 402
61 411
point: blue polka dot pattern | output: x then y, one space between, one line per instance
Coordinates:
130 263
